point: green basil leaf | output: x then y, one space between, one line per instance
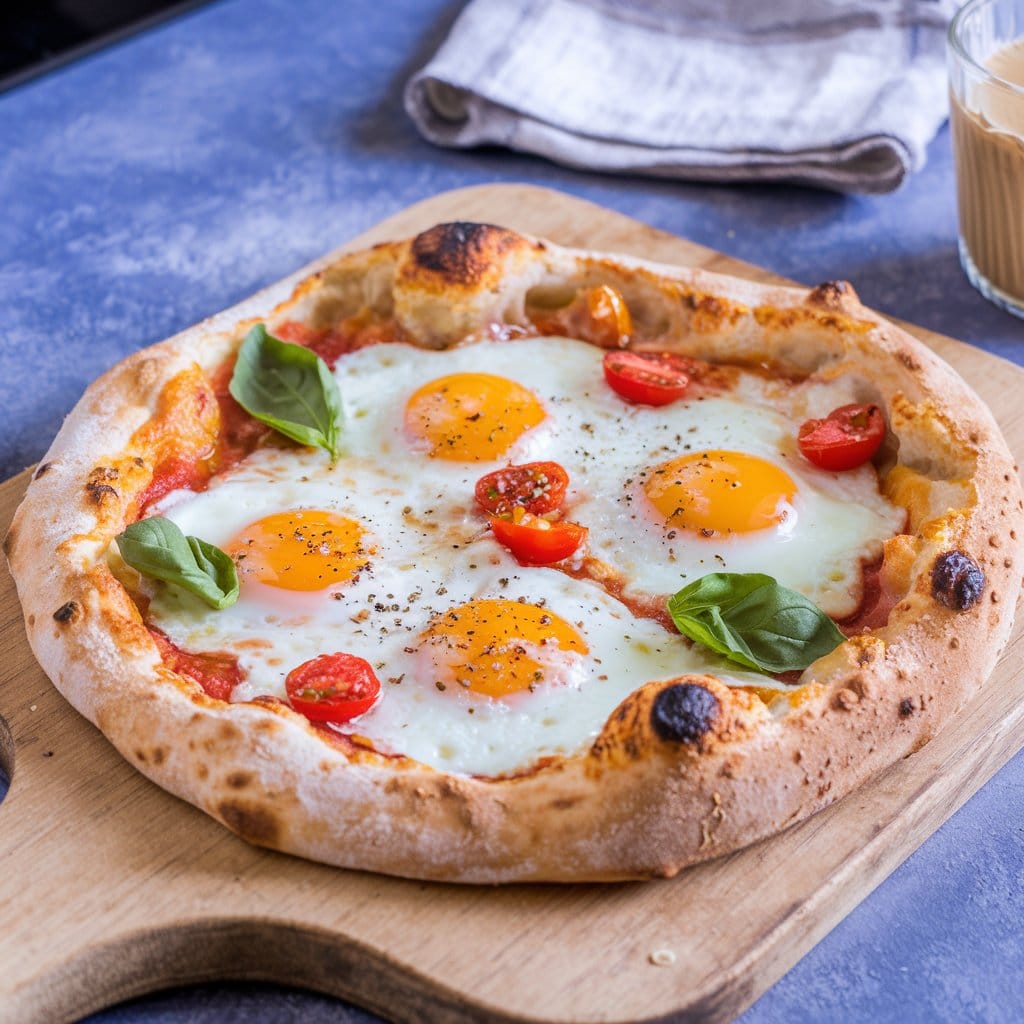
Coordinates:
289 388
157 548
751 620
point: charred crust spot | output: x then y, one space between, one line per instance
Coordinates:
140 755
684 712
228 732
42 470
957 581
909 361
906 707
829 294
69 612
460 252
954 643
251 822
202 771
239 780
712 305
159 755
97 492
98 485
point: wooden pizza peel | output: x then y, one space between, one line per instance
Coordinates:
110 888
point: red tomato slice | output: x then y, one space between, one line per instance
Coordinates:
535 541
607 322
332 687
648 378
845 439
598 315
537 487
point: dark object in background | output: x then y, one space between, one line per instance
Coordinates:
39 35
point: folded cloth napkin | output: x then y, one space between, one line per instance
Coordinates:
835 93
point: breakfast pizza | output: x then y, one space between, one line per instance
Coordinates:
485 560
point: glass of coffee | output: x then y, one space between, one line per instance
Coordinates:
986 74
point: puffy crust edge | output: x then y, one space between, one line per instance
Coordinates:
646 799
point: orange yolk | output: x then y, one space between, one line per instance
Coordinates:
496 647
471 417
308 549
721 492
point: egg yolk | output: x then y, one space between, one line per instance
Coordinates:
721 492
498 647
307 549
471 417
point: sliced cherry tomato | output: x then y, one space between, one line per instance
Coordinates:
845 439
598 315
608 322
648 378
537 487
536 541
332 687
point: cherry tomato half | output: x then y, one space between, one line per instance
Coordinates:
648 378
537 487
598 315
607 322
332 687
845 439
535 541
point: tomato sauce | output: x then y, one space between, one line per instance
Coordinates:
331 343
217 673
875 602
173 474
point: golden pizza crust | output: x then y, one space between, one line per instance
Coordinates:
684 769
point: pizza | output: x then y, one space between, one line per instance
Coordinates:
481 559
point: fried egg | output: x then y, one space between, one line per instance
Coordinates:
486 666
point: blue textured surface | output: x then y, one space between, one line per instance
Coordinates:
159 181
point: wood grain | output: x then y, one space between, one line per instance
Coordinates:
110 888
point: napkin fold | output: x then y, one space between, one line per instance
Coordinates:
834 93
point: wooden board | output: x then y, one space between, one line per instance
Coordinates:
110 888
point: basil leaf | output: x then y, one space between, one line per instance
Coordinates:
289 388
751 620
157 548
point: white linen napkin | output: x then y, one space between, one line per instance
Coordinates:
842 94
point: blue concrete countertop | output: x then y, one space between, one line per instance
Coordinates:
161 180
